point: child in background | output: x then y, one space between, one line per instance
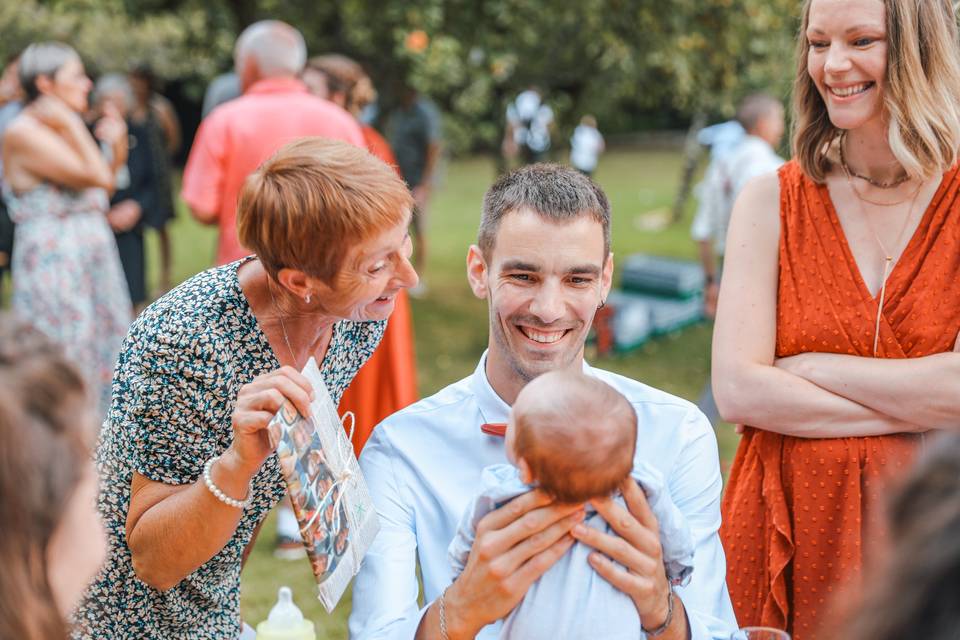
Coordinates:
574 437
586 145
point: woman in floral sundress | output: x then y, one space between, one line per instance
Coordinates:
67 278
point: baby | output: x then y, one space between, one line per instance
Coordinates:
574 437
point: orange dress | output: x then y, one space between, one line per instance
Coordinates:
388 380
795 510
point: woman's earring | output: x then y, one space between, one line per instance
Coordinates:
306 298
603 303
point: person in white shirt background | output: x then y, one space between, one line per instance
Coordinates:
586 145
544 265
761 117
529 125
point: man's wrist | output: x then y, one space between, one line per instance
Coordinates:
453 615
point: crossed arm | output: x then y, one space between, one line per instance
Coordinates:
813 394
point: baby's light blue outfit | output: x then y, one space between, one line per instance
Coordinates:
571 600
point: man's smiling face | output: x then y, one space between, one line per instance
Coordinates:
543 281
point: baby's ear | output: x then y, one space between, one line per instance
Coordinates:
526 476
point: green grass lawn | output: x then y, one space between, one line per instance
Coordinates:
451 324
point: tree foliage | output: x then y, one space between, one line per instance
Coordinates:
630 62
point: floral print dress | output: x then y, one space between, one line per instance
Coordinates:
67 278
180 370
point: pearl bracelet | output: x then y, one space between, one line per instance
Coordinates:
218 493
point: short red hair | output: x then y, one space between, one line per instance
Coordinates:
314 199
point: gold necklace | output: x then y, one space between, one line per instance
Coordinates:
888 256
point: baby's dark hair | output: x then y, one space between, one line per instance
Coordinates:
577 435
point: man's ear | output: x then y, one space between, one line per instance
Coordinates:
606 278
477 272
526 476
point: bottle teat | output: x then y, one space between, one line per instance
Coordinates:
285 621
285 614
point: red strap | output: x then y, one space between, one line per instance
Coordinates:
494 429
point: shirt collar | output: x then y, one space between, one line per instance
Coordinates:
276 85
492 407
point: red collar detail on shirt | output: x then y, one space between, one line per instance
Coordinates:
494 429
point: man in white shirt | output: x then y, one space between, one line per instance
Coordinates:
761 116
529 124
543 264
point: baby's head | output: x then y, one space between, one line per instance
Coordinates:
572 435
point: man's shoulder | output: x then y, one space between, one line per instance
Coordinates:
639 393
433 410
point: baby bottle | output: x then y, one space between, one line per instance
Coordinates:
285 621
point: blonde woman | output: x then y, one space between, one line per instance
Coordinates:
839 313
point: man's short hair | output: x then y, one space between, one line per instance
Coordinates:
577 435
755 108
315 199
277 48
554 192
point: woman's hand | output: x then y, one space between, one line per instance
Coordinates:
257 403
54 114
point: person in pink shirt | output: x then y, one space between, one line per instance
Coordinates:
237 136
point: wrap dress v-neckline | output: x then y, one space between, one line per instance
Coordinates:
797 512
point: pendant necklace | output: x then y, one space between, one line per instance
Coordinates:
283 327
888 256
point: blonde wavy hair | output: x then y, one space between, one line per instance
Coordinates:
921 92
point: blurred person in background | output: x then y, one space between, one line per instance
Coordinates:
530 124
137 187
839 307
913 590
414 130
189 473
586 145
52 541
762 119
68 281
388 381
223 88
159 132
235 138
11 103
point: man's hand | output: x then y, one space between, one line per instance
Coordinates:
637 549
124 215
514 546
710 296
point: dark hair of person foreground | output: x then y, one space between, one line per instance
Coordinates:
916 592
43 448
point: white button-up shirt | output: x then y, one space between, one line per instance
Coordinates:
422 466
